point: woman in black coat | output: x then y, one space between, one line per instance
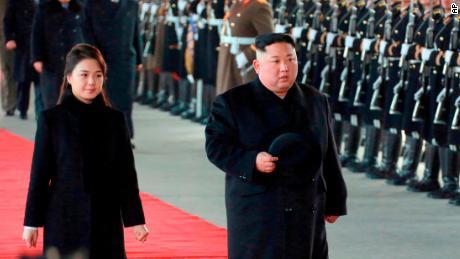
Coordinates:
56 29
83 185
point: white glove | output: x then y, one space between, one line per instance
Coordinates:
382 47
448 56
405 48
312 34
367 44
349 41
181 4
241 60
190 78
330 38
426 53
280 28
296 32
200 7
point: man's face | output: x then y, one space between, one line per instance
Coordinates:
277 67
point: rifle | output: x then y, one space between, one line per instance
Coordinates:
378 87
441 115
312 48
345 76
419 108
359 99
400 89
331 58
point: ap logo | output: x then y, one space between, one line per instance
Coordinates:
454 8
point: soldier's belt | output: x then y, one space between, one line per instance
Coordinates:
215 22
392 59
237 40
456 69
174 19
414 62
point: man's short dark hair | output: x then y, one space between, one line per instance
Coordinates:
268 39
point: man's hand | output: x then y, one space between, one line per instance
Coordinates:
139 67
10 45
265 163
30 236
331 219
38 66
140 232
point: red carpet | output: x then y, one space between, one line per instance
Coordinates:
173 233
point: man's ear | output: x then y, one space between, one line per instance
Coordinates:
256 65
69 78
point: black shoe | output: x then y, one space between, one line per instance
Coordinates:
132 145
345 159
399 179
445 192
377 173
423 186
358 167
205 121
9 113
178 109
455 200
188 114
23 116
146 101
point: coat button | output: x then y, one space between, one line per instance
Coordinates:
313 179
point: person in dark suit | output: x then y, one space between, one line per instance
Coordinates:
276 208
56 29
113 27
83 185
17 28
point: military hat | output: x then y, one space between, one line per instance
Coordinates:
295 150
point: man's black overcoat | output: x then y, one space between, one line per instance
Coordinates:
83 185
278 215
114 29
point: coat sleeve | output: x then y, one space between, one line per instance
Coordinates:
222 145
263 24
131 206
38 36
40 177
137 40
9 21
336 193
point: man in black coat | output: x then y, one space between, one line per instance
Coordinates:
113 27
273 139
17 28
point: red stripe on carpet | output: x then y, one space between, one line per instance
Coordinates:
174 233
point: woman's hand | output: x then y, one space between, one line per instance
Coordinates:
140 232
30 236
38 66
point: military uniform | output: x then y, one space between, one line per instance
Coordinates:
245 20
7 85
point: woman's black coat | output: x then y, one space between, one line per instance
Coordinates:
18 26
55 31
83 185
278 215
114 29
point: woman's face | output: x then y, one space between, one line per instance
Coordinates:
86 80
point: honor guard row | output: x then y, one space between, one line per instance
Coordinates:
390 69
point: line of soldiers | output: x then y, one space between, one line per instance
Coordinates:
390 69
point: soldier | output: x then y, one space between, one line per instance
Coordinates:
17 25
416 89
391 122
427 54
56 29
449 159
158 49
370 72
242 23
349 78
7 84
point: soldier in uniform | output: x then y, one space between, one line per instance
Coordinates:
370 73
242 23
417 84
427 54
113 27
391 123
7 84
17 26
56 29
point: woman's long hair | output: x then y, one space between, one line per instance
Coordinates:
78 53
